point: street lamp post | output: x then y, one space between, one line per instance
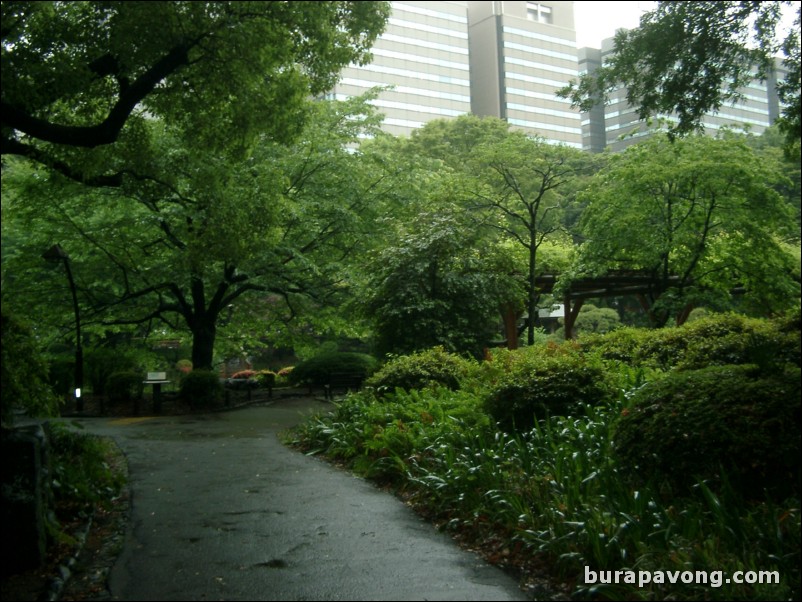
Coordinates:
56 254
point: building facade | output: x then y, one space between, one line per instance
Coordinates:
521 54
507 59
616 125
423 57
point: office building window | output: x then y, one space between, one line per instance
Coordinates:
538 12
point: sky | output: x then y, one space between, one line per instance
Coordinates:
595 21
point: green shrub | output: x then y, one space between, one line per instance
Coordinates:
266 379
318 369
24 374
284 376
201 388
102 362
81 473
714 340
547 381
423 369
124 386
689 425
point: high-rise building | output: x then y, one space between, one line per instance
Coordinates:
508 59
616 125
424 56
521 54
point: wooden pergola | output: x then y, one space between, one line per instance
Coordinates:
642 285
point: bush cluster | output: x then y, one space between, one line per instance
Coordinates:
692 425
419 370
317 370
124 386
201 388
715 340
616 483
537 383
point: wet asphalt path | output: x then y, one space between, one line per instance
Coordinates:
221 510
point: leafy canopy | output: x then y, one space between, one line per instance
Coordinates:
689 58
80 79
697 214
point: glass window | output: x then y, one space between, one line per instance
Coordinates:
538 12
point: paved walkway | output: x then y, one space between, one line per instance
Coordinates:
221 510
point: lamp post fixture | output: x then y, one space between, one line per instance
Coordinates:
54 255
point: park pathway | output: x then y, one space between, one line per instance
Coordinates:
221 510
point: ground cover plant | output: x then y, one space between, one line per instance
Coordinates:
559 495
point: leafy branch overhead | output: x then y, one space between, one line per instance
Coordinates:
687 59
80 77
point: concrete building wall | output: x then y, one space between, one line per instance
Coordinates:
423 54
521 54
622 127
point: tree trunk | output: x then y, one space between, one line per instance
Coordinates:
531 304
203 336
510 317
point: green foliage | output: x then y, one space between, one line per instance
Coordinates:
545 381
557 494
376 437
432 367
318 369
284 376
201 388
562 493
101 362
24 381
596 319
219 74
266 378
713 340
700 424
124 386
690 58
81 475
435 286
700 214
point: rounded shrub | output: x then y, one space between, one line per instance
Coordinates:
201 388
545 382
419 370
124 386
266 379
691 425
713 340
317 370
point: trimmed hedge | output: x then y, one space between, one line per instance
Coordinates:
715 340
201 388
419 370
124 386
689 425
317 370
542 382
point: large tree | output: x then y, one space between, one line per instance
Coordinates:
514 187
527 188
80 79
689 58
204 230
701 216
